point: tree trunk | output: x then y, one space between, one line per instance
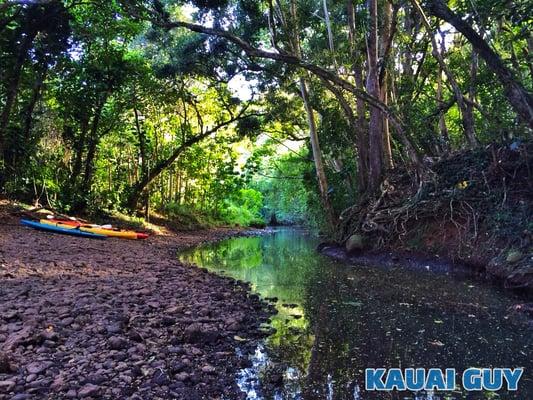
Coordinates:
375 133
12 91
36 95
361 138
142 142
317 156
516 94
529 54
79 148
328 26
472 87
93 144
386 40
443 129
466 114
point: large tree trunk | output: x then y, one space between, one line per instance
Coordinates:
519 98
79 148
328 26
375 132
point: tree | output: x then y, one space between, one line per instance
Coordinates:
519 98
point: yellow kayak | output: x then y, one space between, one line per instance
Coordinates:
94 229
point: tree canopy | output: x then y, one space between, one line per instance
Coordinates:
247 111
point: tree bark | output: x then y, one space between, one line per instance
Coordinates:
360 131
317 156
142 141
328 26
93 144
443 129
386 38
375 132
519 98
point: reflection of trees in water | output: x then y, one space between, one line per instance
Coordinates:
331 351
356 318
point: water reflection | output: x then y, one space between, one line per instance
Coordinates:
334 321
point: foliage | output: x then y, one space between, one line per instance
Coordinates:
106 105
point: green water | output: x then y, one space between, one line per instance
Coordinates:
336 320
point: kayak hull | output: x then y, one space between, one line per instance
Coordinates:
94 229
56 229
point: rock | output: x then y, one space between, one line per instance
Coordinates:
96 379
49 334
117 343
160 378
182 376
6 364
67 321
354 243
208 369
177 366
21 396
37 367
6 386
514 256
168 321
88 390
199 333
113 328
135 336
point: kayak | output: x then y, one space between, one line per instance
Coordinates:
56 229
99 230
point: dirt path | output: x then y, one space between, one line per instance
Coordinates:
116 319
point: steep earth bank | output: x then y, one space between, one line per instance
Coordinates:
474 208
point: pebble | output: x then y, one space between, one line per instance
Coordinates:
92 325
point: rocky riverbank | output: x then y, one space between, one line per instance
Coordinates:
118 319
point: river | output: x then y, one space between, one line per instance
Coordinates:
335 320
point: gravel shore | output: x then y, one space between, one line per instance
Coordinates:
118 319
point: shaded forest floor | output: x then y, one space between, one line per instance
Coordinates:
111 319
475 208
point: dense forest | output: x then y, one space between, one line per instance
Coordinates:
318 196
244 111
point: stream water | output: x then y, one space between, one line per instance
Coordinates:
336 320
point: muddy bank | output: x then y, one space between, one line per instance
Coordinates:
417 261
117 319
408 260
